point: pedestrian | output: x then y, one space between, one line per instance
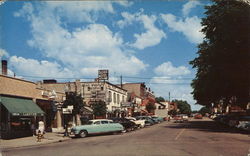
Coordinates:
33 129
41 127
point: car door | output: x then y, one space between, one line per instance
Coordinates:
105 126
96 127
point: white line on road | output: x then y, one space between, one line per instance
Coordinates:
179 134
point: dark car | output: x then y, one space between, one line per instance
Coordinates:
127 124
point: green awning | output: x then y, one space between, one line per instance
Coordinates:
21 107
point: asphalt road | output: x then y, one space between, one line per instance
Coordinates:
194 138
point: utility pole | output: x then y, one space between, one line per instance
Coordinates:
121 80
169 96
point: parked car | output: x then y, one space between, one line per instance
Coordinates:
127 124
97 127
139 123
157 119
148 120
198 116
178 119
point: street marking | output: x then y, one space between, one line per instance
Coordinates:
179 134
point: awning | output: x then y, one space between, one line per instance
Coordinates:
21 107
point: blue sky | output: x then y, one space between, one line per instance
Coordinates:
144 41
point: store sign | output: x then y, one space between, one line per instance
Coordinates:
103 74
26 114
126 104
67 110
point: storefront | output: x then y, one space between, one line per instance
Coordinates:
17 116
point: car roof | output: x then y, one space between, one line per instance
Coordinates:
100 120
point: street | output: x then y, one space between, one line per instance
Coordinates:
197 137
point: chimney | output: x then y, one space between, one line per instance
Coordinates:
4 67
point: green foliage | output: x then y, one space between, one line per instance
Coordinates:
159 99
150 107
72 99
99 108
223 64
195 111
172 112
183 106
205 110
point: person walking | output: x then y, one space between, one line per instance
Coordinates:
41 127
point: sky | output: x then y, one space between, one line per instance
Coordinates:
149 41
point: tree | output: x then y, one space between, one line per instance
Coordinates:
99 108
72 99
183 106
150 107
223 64
205 110
172 112
159 99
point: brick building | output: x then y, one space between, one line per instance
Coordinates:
24 101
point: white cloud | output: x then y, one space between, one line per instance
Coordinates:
124 3
188 6
3 53
83 49
169 79
32 67
189 26
167 69
179 89
151 37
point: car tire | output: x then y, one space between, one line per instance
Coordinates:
124 131
83 134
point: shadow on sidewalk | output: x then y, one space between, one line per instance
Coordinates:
207 126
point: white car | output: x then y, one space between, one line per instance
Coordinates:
139 123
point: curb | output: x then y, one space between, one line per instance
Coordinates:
4 149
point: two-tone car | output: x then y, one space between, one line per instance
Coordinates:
97 126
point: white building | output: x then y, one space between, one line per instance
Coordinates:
113 95
162 109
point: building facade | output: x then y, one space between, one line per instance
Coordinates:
24 103
114 96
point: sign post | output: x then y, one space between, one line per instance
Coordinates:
66 113
103 75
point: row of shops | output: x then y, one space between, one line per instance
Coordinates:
24 103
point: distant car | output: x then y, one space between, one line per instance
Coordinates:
148 120
198 116
184 117
127 124
178 119
97 127
139 123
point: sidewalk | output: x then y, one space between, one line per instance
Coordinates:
32 141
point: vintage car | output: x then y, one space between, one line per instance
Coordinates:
148 120
96 127
157 119
178 119
127 124
139 123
